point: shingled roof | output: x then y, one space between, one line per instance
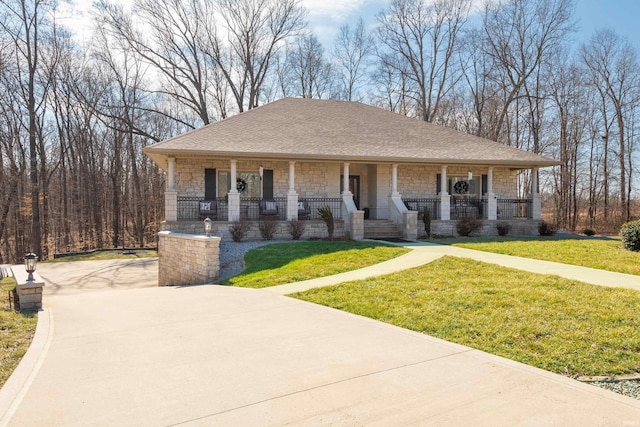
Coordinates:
310 129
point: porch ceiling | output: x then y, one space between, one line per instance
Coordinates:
321 130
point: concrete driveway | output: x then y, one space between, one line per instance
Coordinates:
214 355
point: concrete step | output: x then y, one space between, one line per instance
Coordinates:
380 228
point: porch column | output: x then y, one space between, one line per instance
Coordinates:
445 199
171 180
492 200
394 180
345 179
234 196
536 203
292 196
170 194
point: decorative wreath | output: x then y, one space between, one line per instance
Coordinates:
241 185
461 187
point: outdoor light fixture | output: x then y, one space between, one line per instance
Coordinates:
208 226
30 261
470 175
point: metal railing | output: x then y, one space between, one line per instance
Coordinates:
189 208
468 208
314 203
250 208
432 204
515 208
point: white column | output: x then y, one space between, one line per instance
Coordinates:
345 180
536 201
394 180
292 177
171 182
233 197
445 200
233 177
492 201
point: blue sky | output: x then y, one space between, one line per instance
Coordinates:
623 16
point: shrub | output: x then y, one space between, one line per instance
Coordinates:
426 218
630 233
327 217
267 228
296 228
589 232
503 228
546 229
468 225
238 230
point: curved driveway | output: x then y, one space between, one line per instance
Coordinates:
111 355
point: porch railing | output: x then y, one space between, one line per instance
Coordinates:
515 208
419 205
314 203
468 208
189 208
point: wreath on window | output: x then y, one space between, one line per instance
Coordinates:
241 185
461 187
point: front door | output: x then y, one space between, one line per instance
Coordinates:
354 187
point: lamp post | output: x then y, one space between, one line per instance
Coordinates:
208 226
30 261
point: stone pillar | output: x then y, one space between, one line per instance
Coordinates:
445 199
171 206
29 292
410 225
171 174
356 225
492 200
187 259
233 196
292 206
394 180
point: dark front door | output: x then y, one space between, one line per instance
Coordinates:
354 187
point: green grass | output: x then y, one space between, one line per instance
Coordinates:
108 254
555 324
282 263
16 332
602 253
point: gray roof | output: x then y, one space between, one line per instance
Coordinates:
311 129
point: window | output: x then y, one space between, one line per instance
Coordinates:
463 186
251 179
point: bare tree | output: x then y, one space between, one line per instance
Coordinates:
424 36
351 51
520 35
310 74
613 65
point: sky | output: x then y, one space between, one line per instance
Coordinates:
327 16
623 16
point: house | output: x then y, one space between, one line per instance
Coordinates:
378 172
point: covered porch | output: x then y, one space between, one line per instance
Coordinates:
295 189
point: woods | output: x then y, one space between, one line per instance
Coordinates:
76 113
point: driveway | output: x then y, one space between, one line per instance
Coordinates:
112 354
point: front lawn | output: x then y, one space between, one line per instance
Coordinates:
563 326
283 263
16 332
601 253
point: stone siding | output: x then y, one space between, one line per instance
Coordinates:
519 227
314 229
185 259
